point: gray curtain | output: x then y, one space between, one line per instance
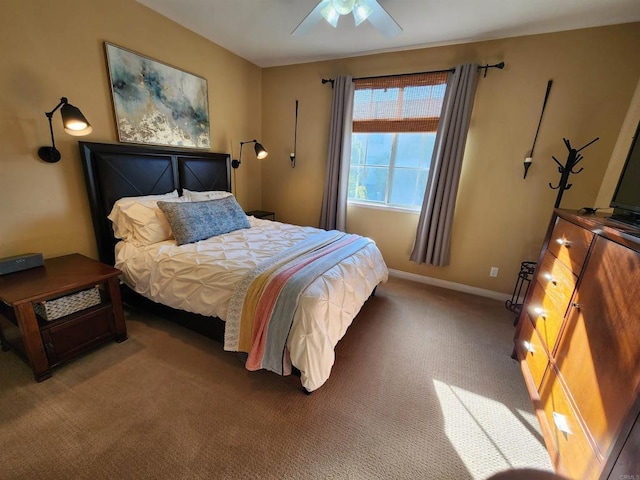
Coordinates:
334 203
433 236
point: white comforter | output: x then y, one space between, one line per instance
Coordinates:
201 277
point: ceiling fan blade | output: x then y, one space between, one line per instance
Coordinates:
311 20
383 22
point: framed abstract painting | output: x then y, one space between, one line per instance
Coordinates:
156 104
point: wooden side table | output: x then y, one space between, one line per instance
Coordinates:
262 214
48 343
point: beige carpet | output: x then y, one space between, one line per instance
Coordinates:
423 388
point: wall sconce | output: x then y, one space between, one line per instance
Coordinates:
74 123
527 164
292 155
528 160
261 152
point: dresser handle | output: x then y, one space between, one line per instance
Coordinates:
575 305
561 423
540 312
563 242
528 347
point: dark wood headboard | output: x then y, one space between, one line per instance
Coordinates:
113 171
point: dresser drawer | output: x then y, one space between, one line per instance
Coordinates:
530 349
570 243
578 459
557 281
546 315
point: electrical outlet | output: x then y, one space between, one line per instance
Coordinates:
493 272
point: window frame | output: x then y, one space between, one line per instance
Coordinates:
396 126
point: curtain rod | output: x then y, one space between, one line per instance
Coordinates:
499 66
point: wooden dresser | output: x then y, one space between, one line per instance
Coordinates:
578 342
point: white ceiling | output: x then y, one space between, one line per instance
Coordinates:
260 30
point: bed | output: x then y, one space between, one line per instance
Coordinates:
282 294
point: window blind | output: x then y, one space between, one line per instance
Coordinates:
402 103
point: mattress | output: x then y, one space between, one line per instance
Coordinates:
201 278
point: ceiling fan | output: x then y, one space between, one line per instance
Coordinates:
362 10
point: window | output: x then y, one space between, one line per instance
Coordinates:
395 120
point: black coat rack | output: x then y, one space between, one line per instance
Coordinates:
573 158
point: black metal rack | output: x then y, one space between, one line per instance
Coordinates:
520 289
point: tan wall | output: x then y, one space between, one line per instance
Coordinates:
500 218
53 49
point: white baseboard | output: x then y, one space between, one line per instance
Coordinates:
450 285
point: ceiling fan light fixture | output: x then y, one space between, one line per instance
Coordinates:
343 7
361 11
331 15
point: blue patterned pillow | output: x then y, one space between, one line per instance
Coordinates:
193 221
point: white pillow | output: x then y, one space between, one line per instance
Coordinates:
139 220
192 196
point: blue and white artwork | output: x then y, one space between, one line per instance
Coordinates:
157 104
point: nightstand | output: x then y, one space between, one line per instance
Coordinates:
262 214
44 343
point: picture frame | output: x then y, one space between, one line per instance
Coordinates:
155 103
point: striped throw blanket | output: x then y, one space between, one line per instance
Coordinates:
263 305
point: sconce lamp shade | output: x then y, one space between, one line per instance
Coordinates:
74 123
261 152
